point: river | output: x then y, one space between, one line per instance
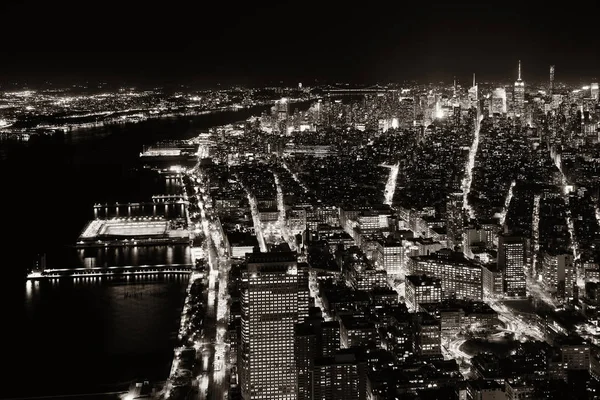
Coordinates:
85 336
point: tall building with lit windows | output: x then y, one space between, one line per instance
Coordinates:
315 338
461 278
551 86
473 93
594 91
342 376
422 289
511 261
519 95
558 274
269 300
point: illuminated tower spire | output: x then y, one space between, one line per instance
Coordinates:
473 79
455 86
551 79
519 95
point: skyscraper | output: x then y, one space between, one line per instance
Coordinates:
499 102
559 274
519 95
473 93
511 261
551 87
281 111
594 91
269 315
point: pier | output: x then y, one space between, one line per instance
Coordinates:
115 271
164 206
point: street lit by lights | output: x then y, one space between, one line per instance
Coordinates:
295 177
313 287
520 326
468 176
281 220
535 233
507 201
256 220
390 186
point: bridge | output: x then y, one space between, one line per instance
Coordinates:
115 271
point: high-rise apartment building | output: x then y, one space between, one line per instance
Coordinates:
267 363
511 261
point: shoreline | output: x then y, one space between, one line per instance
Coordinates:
143 116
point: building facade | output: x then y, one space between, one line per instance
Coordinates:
511 261
267 363
422 289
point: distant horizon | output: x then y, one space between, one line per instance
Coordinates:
148 83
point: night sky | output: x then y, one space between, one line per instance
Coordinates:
223 42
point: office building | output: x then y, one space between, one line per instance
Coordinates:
511 261
461 278
427 341
594 91
551 86
267 364
473 93
390 256
575 353
519 95
315 338
341 377
422 289
499 102
482 389
558 274
493 281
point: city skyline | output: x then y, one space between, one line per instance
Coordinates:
301 201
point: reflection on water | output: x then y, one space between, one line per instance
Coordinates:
108 330
78 335
133 255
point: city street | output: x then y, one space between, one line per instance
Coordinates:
212 349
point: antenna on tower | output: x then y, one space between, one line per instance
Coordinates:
473 79
551 79
519 78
